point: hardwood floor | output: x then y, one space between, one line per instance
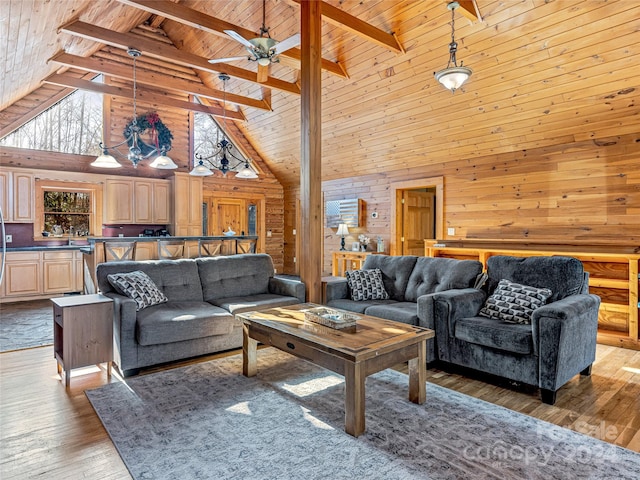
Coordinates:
51 432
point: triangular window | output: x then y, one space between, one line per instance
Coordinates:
73 125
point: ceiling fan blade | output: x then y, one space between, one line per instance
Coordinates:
229 59
239 38
263 73
288 43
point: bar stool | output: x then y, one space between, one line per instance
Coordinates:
209 248
119 251
170 249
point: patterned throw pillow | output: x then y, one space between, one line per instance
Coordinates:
366 285
514 303
138 286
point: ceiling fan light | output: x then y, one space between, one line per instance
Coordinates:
105 161
200 170
264 61
163 162
453 78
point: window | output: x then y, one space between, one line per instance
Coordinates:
73 125
66 207
67 211
207 134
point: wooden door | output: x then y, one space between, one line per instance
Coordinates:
418 210
228 212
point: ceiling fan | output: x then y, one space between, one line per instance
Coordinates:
262 49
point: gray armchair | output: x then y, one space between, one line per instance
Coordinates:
559 343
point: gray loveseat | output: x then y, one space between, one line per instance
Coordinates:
559 343
411 283
198 318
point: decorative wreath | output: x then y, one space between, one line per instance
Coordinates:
161 136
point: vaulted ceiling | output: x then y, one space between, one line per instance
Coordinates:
545 72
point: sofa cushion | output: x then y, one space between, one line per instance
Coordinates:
395 272
564 276
405 312
353 306
235 275
247 303
138 286
514 303
493 333
177 321
366 285
438 274
177 279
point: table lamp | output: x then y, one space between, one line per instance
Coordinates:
343 231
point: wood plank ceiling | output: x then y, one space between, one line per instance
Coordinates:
545 73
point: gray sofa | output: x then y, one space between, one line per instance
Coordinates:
198 318
411 283
559 343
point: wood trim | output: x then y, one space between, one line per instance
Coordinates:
124 72
169 54
395 189
141 95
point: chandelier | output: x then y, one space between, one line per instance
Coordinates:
454 76
138 149
223 159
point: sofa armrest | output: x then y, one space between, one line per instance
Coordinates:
287 287
450 305
336 289
564 338
124 331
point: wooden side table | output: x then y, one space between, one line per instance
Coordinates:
345 260
82 332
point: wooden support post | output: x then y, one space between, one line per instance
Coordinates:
310 159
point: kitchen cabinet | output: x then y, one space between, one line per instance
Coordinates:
22 274
143 202
118 201
17 195
58 269
187 205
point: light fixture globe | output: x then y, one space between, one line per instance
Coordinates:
105 161
264 61
453 78
246 172
163 162
200 170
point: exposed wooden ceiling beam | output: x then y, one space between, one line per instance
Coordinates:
118 70
353 24
469 8
141 95
202 21
33 112
169 54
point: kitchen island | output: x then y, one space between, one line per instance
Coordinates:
147 248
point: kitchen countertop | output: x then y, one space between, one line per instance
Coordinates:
38 248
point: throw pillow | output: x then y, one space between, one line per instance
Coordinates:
514 303
138 286
366 285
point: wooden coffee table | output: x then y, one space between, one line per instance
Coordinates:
374 344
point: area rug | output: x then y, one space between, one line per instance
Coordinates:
25 325
207 421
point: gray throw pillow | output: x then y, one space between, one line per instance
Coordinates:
138 286
366 285
514 303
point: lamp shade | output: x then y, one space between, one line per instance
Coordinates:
200 170
454 77
343 230
246 172
105 161
163 162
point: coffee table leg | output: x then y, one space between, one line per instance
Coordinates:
354 398
418 375
249 353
